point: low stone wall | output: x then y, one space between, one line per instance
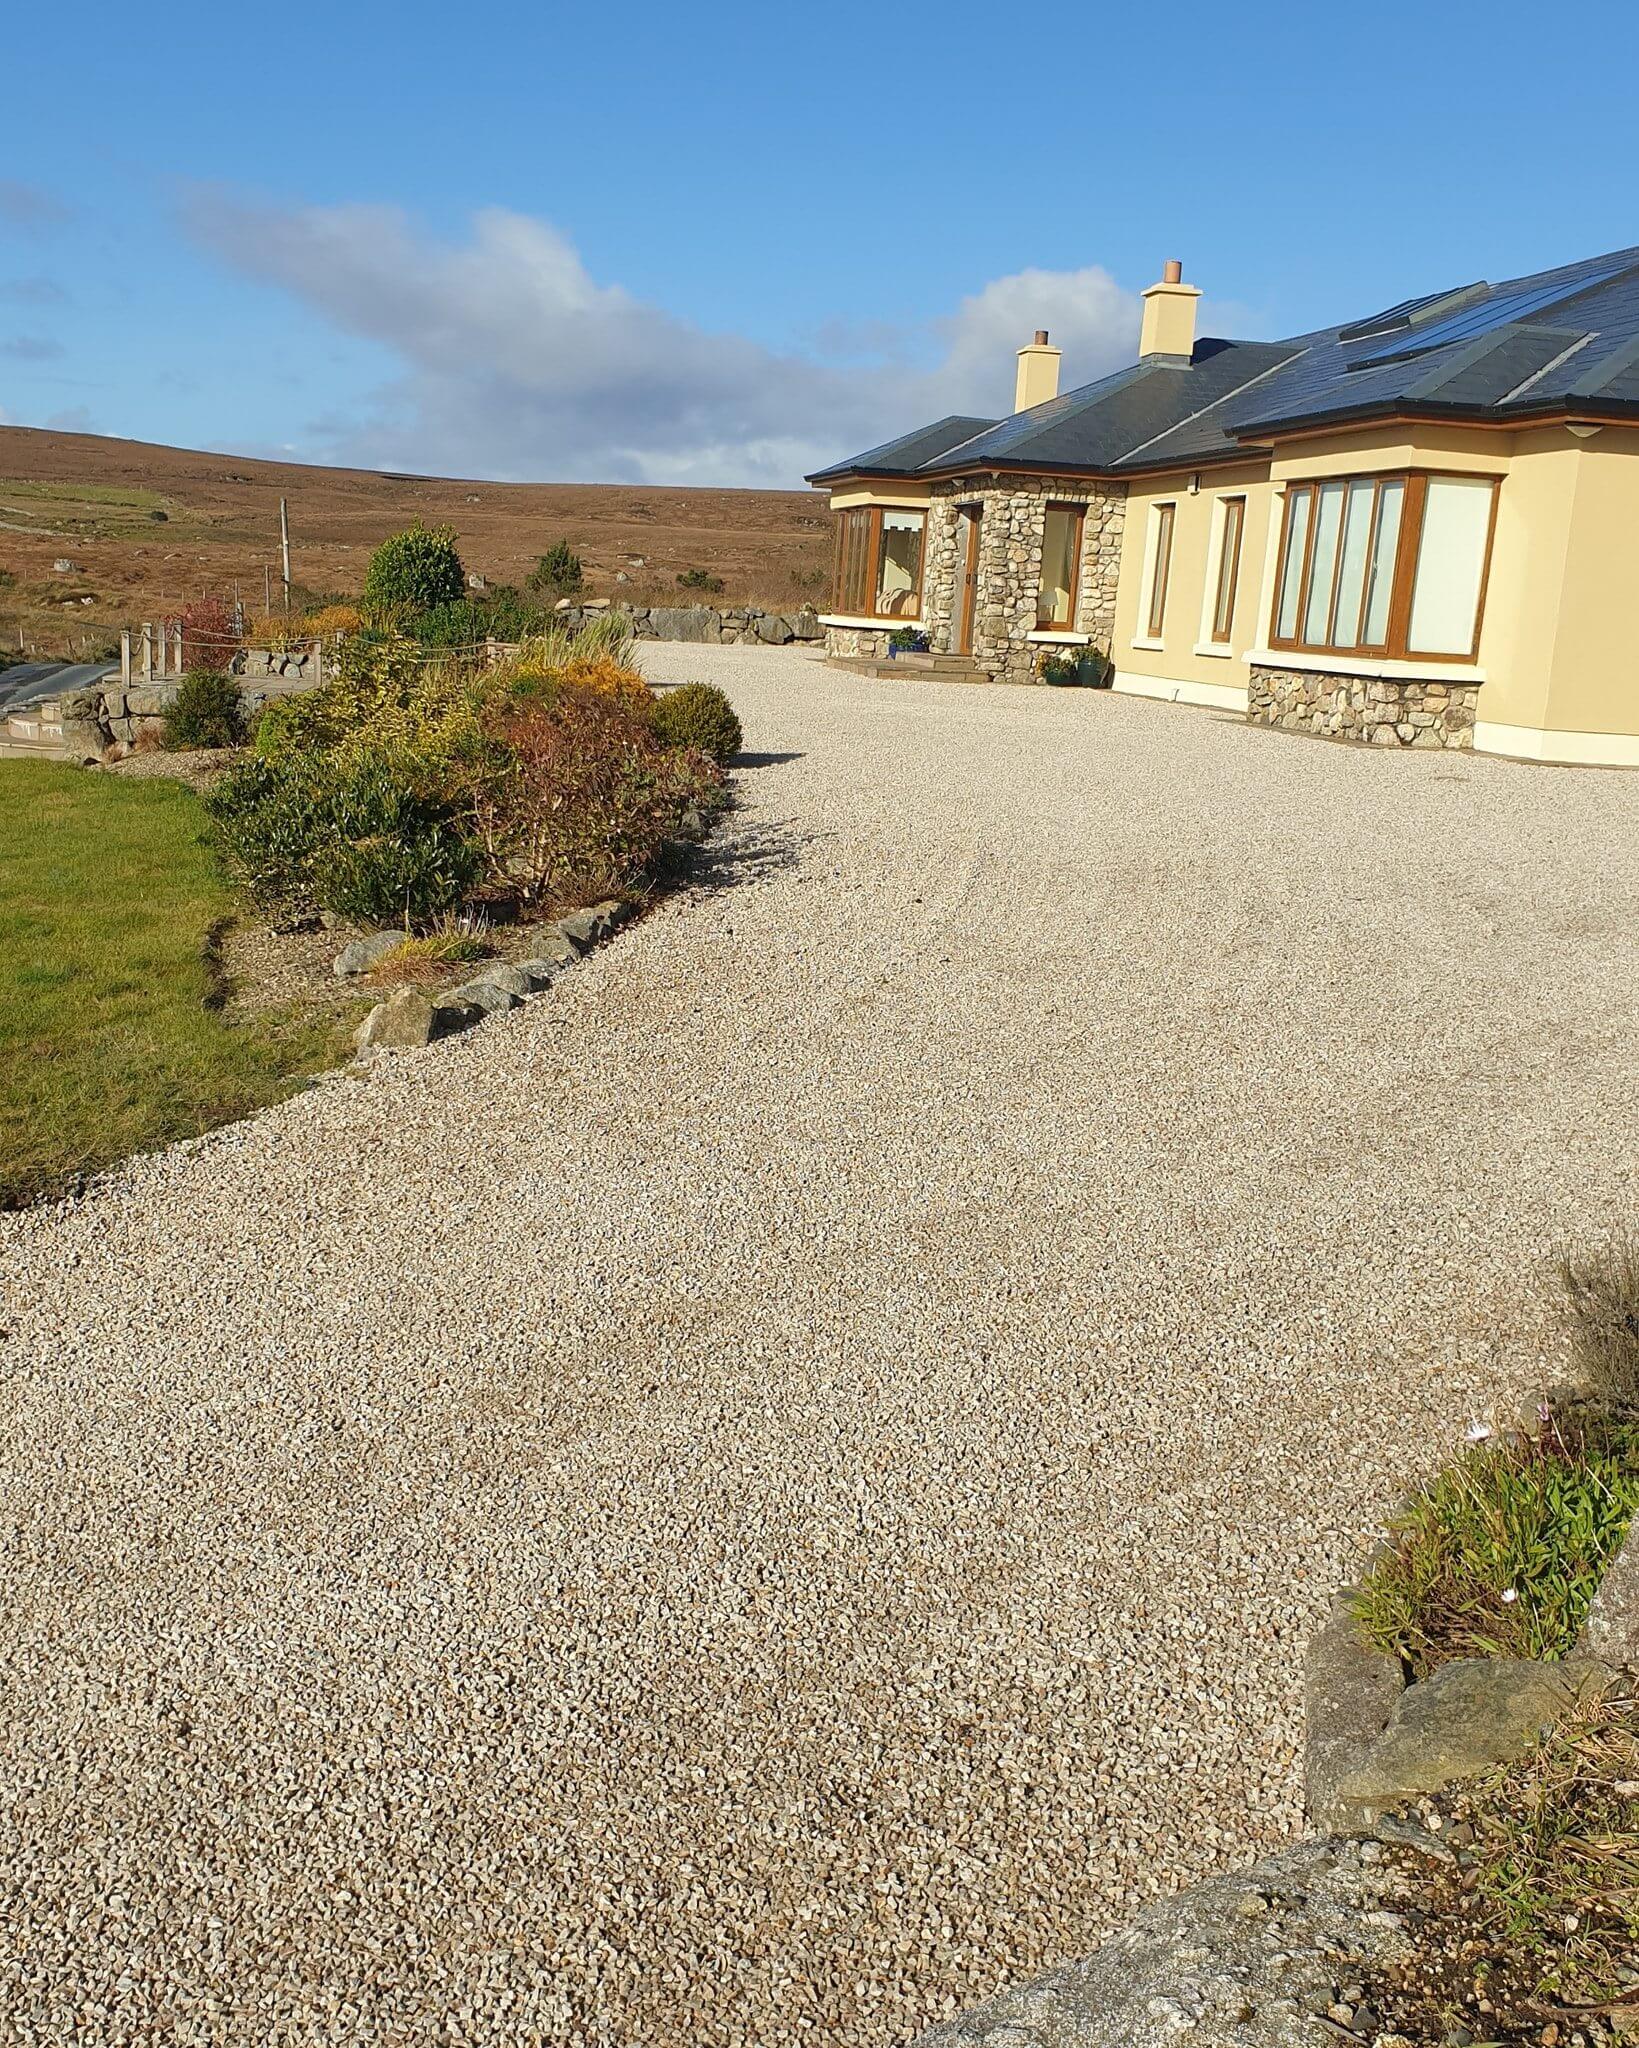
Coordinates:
1385 711
91 721
858 643
300 665
710 625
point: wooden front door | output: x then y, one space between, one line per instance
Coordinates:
967 579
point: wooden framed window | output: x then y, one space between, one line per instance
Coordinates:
1060 567
1389 565
1229 567
879 562
1160 569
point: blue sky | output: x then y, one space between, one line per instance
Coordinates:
724 243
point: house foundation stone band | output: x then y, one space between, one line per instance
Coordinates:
1386 711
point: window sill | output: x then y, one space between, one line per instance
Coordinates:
871 625
1059 636
1146 646
1218 650
1353 665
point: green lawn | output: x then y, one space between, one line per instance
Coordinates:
111 1038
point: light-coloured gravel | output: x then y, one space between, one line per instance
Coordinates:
784 1485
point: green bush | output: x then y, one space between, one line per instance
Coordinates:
698 579
500 614
558 573
698 715
354 834
414 570
207 711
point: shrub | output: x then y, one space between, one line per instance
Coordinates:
334 621
1500 1554
500 614
207 711
698 579
557 573
908 640
1602 1293
210 634
358 836
414 570
275 631
606 677
698 715
585 796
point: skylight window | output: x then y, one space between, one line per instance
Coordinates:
1486 317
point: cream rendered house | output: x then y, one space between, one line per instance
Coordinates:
1418 528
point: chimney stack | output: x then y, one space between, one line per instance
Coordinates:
1169 315
1038 378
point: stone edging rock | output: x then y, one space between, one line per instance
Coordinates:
411 1017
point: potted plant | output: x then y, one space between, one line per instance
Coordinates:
907 640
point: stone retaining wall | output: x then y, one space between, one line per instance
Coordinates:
1386 711
708 624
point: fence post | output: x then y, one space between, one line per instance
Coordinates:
125 657
147 650
318 662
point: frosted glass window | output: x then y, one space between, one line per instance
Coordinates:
1450 563
1328 520
1380 580
1351 581
1291 574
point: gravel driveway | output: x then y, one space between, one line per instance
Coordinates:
786 1483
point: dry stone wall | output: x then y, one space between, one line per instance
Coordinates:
710 625
1386 711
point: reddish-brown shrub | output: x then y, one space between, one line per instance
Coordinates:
210 637
583 795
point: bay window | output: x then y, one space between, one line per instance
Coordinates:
1060 566
1391 565
879 562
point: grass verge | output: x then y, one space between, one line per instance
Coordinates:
112 1037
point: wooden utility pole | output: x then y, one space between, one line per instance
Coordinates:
284 549
267 586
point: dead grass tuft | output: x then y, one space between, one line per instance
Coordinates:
1602 1294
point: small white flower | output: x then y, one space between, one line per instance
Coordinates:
1477 1431
1509 1597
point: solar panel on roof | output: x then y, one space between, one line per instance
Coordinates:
1487 316
1393 318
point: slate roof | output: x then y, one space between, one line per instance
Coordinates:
1559 340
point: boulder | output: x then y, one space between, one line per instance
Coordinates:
772 628
554 948
1350 1692
806 626
686 622
362 954
405 1019
486 996
83 741
1465 1718
613 911
1243 1961
150 700
1612 1631
582 928
538 974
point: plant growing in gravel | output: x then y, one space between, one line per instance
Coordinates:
423 957
207 711
700 716
1602 1293
1500 1554
414 570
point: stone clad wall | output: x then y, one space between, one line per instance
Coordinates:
1385 711
1010 550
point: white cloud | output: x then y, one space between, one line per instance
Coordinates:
516 362
27 206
